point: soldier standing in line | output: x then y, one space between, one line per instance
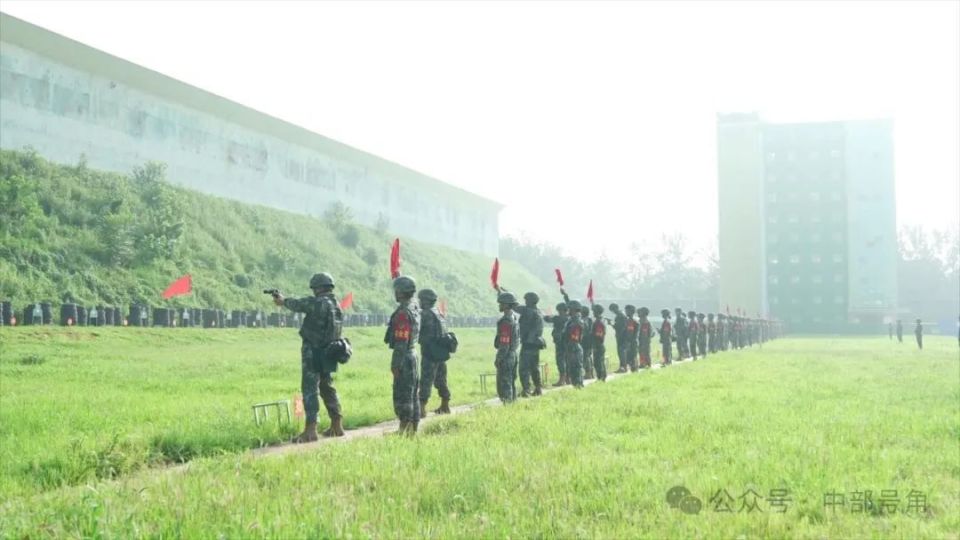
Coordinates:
559 322
531 343
890 329
619 327
681 335
433 371
322 325
586 342
507 341
666 334
918 331
711 334
573 337
721 332
645 335
702 334
731 333
693 333
403 333
598 336
630 333
899 331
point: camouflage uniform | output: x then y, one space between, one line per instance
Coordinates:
681 335
666 334
402 336
433 372
702 335
586 342
900 331
631 330
693 334
619 327
918 332
507 341
559 322
573 336
644 337
711 334
598 336
531 342
322 325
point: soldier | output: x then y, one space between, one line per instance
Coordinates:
403 333
918 331
693 334
666 334
531 342
890 329
598 336
899 331
586 343
559 322
631 330
573 337
711 334
507 341
721 332
681 335
644 337
433 370
619 327
321 326
702 334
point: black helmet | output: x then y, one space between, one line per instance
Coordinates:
701 316
573 305
692 314
585 311
507 298
561 307
427 296
665 313
710 316
598 310
531 298
679 310
404 284
614 307
629 308
321 280
644 311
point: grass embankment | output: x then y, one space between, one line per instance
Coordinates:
808 416
93 237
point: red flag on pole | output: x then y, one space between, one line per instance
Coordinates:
559 276
443 307
395 259
181 286
347 301
590 292
495 274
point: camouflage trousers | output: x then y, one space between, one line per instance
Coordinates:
316 386
600 361
433 373
667 352
530 367
644 354
621 354
682 348
588 362
631 355
692 345
561 360
575 364
711 344
506 364
406 404
702 345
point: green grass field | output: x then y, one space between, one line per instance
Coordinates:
88 418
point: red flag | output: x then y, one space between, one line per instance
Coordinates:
495 274
590 292
181 286
395 259
559 276
443 307
347 301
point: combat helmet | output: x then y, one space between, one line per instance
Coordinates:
321 280
665 313
507 298
644 311
404 284
427 296
597 310
531 298
573 306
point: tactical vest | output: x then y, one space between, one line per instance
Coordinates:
324 323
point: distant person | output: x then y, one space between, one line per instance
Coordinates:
587 342
433 353
559 321
630 337
666 334
619 327
506 342
531 343
599 335
918 331
644 337
711 333
403 333
573 336
702 334
680 335
890 329
899 331
693 334
322 325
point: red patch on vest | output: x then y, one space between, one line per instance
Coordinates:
505 334
599 330
401 328
575 334
631 326
645 329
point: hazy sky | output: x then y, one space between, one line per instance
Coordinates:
601 110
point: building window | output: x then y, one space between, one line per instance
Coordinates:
771 156
774 260
815 259
774 280
815 238
794 279
794 259
793 219
815 218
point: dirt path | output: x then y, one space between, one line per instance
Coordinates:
391 426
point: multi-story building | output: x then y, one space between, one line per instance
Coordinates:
808 221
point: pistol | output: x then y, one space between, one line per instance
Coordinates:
272 292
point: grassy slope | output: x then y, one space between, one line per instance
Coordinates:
65 225
807 415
